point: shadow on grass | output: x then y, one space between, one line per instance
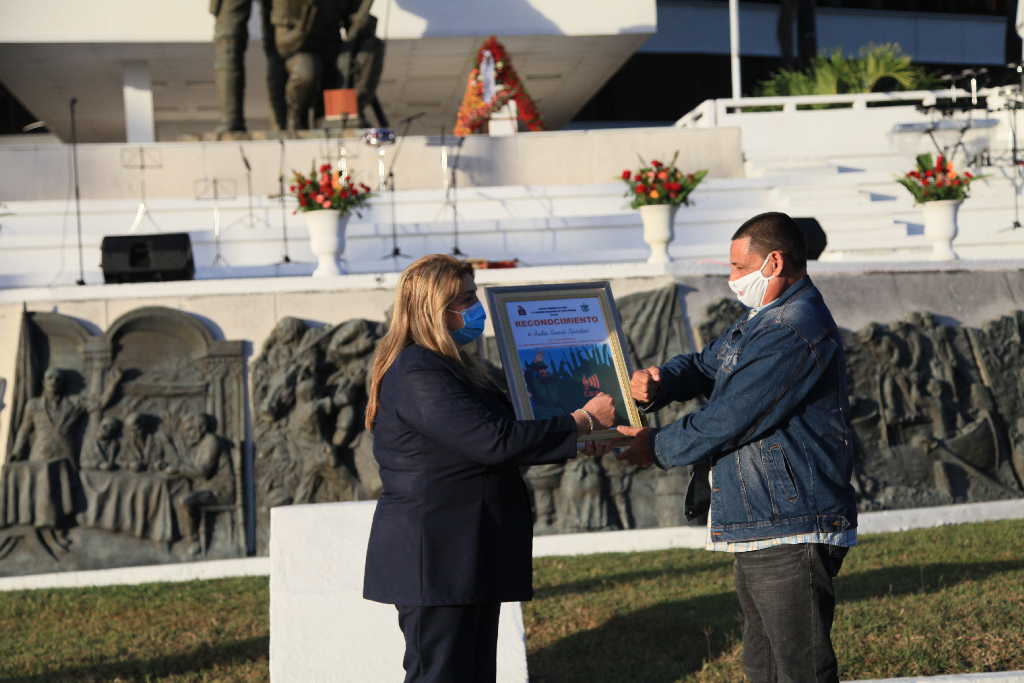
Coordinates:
924 578
672 640
604 582
192 661
658 643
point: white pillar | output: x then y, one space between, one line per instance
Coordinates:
734 46
139 125
321 628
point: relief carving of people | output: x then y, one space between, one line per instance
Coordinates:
47 429
581 503
202 459
927 423
143 446
101 453
309 393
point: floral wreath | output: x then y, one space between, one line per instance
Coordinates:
475 110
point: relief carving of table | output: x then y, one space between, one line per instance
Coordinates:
137 503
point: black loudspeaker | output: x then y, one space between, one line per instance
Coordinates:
815 239
147 258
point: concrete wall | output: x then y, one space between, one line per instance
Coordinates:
30 172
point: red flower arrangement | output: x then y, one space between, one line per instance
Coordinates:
932 182
329 190
474 112
658 183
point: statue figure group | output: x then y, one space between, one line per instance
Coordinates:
309 390
47 431
196 455
584 494
310 45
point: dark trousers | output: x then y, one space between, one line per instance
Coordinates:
788 602
450 644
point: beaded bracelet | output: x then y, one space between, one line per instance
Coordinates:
590 419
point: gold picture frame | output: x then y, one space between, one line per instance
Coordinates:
560 344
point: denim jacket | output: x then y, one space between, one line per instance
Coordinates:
775 428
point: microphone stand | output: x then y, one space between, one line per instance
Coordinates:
78 205
451 192
284 213
395 251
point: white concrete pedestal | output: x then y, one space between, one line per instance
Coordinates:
321 629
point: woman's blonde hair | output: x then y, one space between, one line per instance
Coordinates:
425 290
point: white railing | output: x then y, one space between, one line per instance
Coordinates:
710 113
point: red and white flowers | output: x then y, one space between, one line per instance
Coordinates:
931 182
328 190
658 183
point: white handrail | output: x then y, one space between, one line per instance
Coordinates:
711 112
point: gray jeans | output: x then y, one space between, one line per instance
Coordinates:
788 602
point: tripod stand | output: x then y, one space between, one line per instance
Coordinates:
250 219
78 201
147 158
1012 107
210 189
389 182
280 197
450 167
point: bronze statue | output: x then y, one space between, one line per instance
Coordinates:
230 38
365 52
307 35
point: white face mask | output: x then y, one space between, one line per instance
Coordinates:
750 289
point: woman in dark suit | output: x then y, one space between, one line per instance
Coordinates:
452 536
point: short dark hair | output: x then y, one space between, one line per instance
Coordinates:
776 231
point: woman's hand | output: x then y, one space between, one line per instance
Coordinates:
602 409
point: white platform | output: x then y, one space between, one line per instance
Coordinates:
321 629
995 677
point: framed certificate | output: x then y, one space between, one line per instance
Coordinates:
560 345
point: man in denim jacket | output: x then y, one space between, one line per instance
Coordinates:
775 432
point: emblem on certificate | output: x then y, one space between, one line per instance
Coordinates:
560 346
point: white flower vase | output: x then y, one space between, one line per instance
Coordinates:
940 227
326 239
658 220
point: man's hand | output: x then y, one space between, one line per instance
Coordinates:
644 384
641 448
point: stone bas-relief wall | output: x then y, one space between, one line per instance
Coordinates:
150 443
937 410
308 400
124 447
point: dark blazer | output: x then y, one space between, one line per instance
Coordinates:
452 526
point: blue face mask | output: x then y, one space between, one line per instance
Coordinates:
472 324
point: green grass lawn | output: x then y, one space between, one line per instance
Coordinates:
916 603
